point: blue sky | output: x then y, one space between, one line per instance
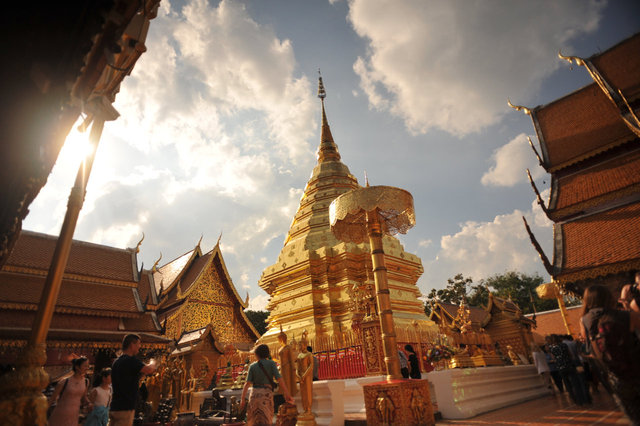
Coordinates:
220 123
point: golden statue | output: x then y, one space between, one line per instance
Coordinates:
418 406
226 380
305 375
287 367
515 359
385 408
185 394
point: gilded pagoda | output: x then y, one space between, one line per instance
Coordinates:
323 285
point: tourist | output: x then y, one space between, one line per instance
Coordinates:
70 394
404 364
100 397
553 368
541 364
125 374
260 380
581 371
414 366
612 341
567 370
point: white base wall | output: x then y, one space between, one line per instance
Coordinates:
462 393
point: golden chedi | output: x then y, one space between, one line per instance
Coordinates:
310 282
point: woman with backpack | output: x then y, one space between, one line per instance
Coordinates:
613 343
70 394
260 380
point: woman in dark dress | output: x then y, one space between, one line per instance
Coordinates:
414 365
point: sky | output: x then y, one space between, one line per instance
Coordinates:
220 124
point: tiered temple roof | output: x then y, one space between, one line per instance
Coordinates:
311 281
196 290
589 143
103 295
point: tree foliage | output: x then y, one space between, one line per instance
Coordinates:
258 319
520 287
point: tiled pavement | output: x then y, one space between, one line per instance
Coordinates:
551 410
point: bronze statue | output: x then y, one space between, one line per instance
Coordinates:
287 367
305 374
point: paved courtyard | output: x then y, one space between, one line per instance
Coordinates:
552 410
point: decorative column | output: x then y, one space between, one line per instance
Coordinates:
369 213
21 399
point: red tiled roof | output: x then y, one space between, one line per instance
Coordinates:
601 239
551 322
27 289
607 177
35 250
578 125
620 66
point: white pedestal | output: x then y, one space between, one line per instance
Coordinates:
462 393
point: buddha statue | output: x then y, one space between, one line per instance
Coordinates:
226 380
287 364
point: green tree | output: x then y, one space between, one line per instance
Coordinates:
457 288
521 288
258 319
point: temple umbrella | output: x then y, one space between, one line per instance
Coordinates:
552 291
369 213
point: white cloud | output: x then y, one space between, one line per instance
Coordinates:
425 243
451 65
258 303
510 162
481 249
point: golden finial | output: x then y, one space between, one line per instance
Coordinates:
570 59
219 238
321 92
139 243
366 179
519 107
246 300
200 240
154 268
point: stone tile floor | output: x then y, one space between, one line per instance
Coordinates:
551 410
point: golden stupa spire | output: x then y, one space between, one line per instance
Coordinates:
328 150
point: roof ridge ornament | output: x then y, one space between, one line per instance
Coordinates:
154 268
536 245
538 196
139 243
519 107
579 61
535 151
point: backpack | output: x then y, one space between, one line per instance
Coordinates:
613 343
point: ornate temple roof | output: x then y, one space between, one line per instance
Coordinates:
577 192
33 252
589 142
603 243
179 275
578 126
102 295
448 311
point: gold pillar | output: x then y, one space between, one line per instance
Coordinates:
383 299
21 399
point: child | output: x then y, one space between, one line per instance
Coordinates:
100 397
